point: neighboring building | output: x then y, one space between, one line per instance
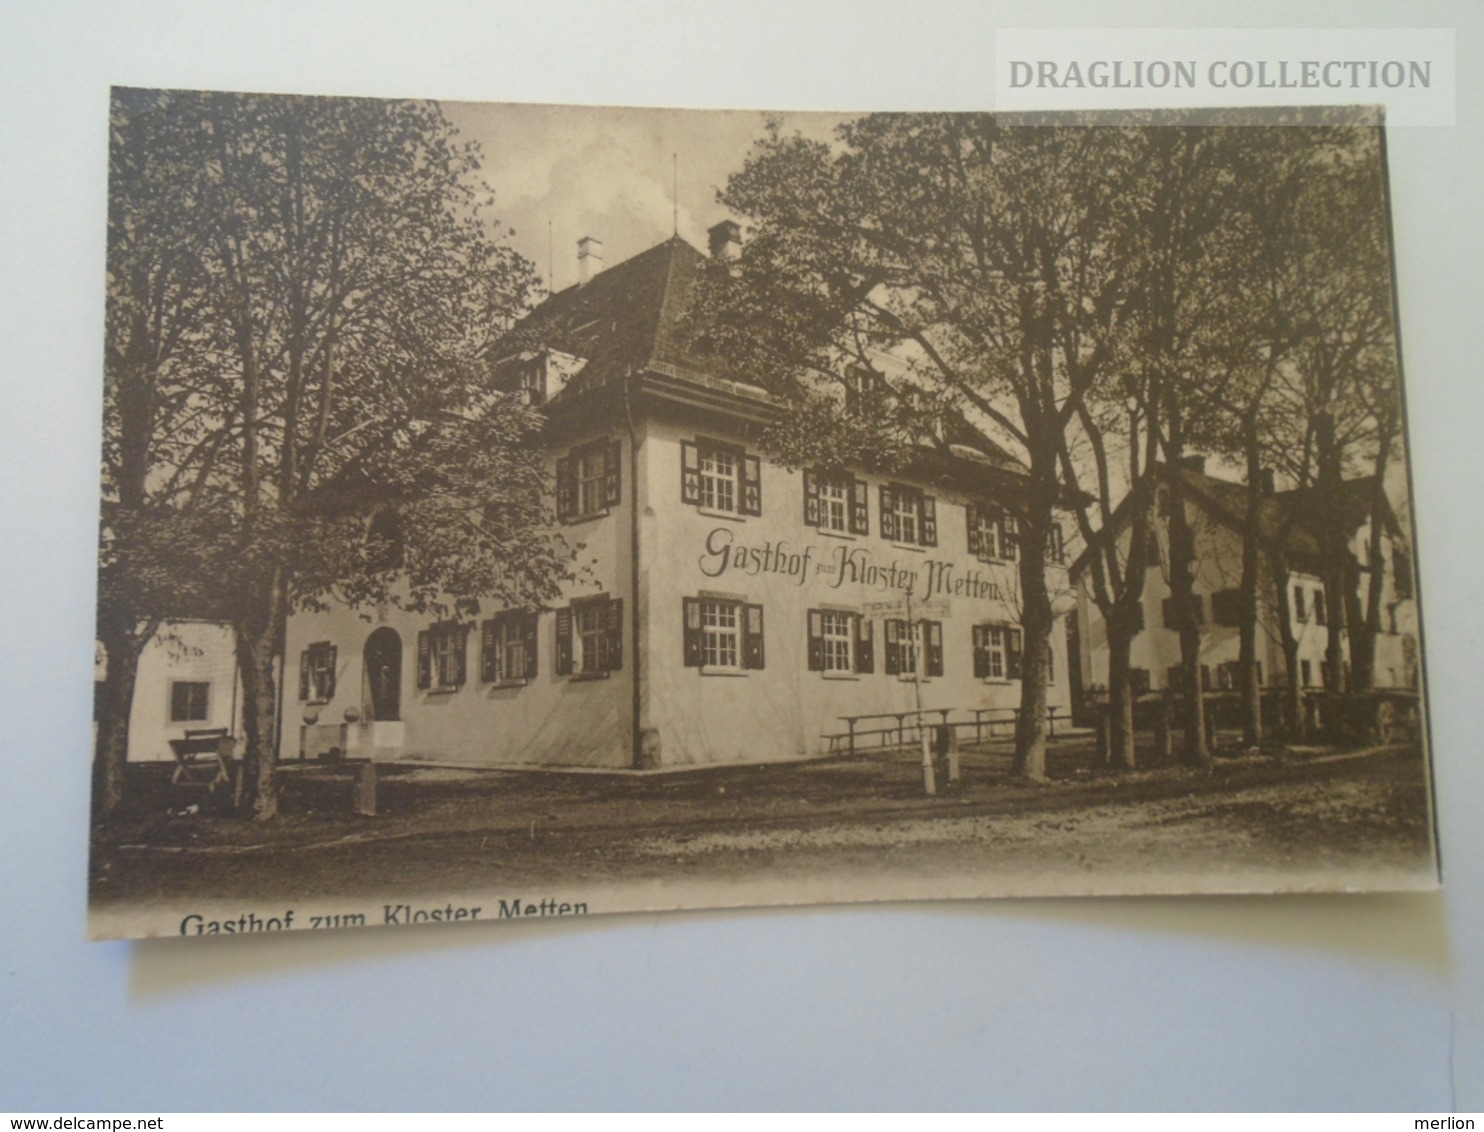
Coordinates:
1215 509
187 680
736 609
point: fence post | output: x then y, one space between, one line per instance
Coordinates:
364 801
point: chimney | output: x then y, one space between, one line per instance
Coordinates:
726 240
1196 464
589 259
1269 484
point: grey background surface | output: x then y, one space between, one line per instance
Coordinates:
1296 1002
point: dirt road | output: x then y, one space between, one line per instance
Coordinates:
1341 821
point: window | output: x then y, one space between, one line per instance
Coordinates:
1306 673
189 700
908 516
589 637
835 503
384 543
441 656
507 648
1056 547
991 532
1321 614
1300 608
589 481
317 673
1228 676
1172 620
997 652
860 386
1138 681
722 634
906 639
1226 607
839 642
1401 572
720 477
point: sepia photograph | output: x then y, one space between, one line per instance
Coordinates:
522 511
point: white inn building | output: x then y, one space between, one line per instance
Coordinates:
1216 511
735 610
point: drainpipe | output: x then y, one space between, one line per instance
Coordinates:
637 733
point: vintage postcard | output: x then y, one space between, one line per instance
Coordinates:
518 511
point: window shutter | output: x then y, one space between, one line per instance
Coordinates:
331 653
893 647
1012 654
816 641
304 675
691 637
752 636
752 486
888 515
1205 677
860 508
929 521
690 472
932 640
528 627
865 656
615 634
566 476
613 473
564 641
981 652
811 499
976 544
489 661
424 660
460 654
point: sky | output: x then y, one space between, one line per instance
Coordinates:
630 177
611 173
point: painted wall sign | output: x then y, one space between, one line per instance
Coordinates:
839 565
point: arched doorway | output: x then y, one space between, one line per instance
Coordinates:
383 658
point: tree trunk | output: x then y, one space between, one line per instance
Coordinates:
259 644
1293 701
1196 751
111 758
1251 689
1121 750
1366 625
1036 621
